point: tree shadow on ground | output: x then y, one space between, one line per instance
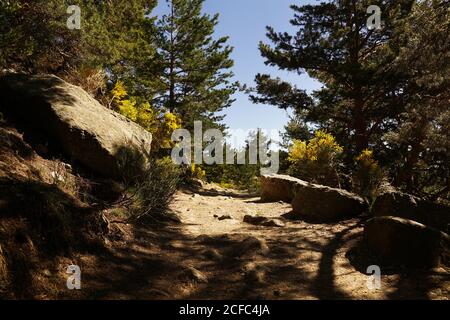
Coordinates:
160 273
156 265
323 286
299 261
407 283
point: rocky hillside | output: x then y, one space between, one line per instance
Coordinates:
59 150
43 217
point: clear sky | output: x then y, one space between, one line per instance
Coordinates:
245 21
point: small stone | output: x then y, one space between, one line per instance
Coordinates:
263 221
196 275
274 223
47 273
225 217
212 254
255 276
255 220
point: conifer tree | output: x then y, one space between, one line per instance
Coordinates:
419 146
334 45
190 73
34 36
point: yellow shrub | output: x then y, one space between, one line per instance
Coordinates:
366 160
128 109
315 160
119 92
148 118
197 172
368 174
160 124
227 185
169 123
298 151
322 147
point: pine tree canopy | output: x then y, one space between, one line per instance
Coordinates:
190 73
334 45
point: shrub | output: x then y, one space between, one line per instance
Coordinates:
160 123
316 160
368 175
197 172
92 80
149 188
157 188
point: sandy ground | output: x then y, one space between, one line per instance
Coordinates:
208 258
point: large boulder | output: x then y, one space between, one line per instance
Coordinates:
405 242
277 187
325 204
82 128
398 204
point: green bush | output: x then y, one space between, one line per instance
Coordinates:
157 188
149 190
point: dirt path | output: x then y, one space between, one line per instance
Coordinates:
209 258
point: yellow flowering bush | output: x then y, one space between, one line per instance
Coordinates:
321 148
160 124
197 172
119 92
366 160
368 174
126 107
315 160
147 117
169 123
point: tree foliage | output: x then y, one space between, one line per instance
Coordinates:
316 160
35 38
190 72
382 89
419 146
334 45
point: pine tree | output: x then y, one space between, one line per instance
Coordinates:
190 73
334 45
419 147
34 36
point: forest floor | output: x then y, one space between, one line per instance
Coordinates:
205 257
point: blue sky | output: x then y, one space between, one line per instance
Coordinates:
245 21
